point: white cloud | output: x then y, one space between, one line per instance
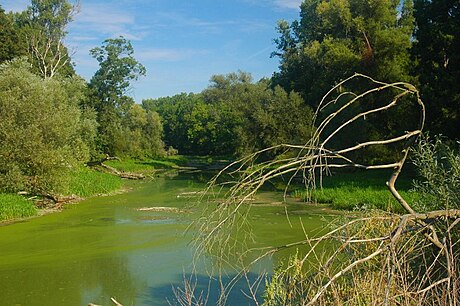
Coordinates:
14 5
102 15
264 51
168 54
102 20
78 38
284 4
290 4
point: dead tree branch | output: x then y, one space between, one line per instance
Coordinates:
411 258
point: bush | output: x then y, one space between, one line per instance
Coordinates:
439 170
39 130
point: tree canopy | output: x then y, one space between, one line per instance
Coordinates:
437 58
40 130
233 116
11 44
43 27
389 40
124 127
334 39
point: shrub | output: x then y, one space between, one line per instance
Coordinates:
39 130
439 170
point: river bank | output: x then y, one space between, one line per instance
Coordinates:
84 182
344 191
87 182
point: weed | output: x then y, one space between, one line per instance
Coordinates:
14 206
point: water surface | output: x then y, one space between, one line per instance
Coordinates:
105 247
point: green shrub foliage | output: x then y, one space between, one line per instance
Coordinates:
438 166
40 125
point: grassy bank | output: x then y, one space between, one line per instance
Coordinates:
359 190
86 182
147 165
171 162
346 190
14 206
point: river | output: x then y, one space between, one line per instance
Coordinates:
106 247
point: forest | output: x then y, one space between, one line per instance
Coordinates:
54 123
413 41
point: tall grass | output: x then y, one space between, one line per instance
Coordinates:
359 190
13 206
148 165
86 182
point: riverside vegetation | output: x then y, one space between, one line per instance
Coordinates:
53 124
405 256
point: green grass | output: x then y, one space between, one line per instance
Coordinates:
14 206
147 165
360 190
87 182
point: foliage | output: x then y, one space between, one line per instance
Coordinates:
233 116
334 39
439 170
11 45
283 286
124 128
437 62
187 122
117 68
374 257
39 130
43 27
373 260
267 116
15 206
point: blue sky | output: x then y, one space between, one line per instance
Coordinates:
182 43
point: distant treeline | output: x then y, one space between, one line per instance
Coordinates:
51 120
232 117
391 41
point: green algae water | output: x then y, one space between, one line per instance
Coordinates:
107 247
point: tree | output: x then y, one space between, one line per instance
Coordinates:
117 69
178 117
336 38
366 258
40 126
152 132
110 84
233 116
259 116
11 45
436 51
43 25
139 134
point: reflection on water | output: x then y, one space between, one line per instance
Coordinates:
106 247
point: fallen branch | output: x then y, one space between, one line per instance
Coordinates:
98 164
101 161
115 302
